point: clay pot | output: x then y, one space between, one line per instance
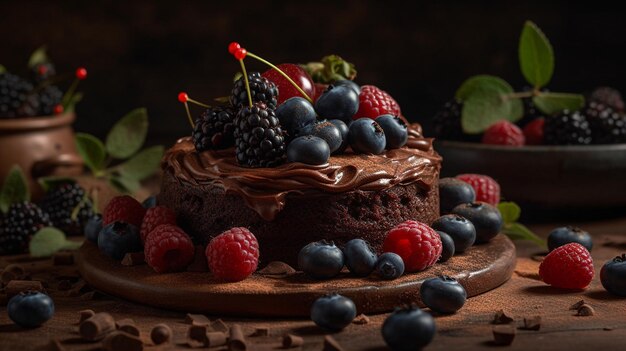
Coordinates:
42 146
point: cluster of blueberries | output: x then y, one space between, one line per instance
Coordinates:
312 141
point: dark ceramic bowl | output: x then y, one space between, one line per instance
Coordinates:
550 177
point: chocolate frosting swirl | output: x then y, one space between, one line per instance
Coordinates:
265 189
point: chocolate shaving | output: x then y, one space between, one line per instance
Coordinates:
199 263
161 334
261 331
277 268
330 344
15 287
503 334
215 339
133 259
198 333
290 341
97 326
119 340
219 325
85 314
63 258
236 340
361 319
128 325
577 305
585 310
54 345
532 323
501 317
197 319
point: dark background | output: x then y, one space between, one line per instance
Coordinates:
142 53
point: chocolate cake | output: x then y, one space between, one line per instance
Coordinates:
289 206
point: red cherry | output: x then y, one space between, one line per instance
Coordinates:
232 47
58 109
183 97
285 89
42 70
81 73
240 53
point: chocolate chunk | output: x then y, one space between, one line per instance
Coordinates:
330 344
236 340
290 340
64 285
119 340
277 268
261 331
585 310
198 333
15 287
197 319
128 325
532 323
577 305
361 319
85 314
501 318
97 326
161 334
215 339
54 345
199 263
503 334
133 259
63 258
219 325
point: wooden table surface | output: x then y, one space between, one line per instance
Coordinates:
522 296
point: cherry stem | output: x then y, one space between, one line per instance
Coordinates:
193 125
197 103
245 77
282 74
67 97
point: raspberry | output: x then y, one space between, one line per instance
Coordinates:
233 255
155 216
374 102
486 188
504 133
123 209
569 266
417 243
168 249
533 132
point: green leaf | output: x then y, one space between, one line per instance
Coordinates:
92 151
71 102
124 184
551 103
128 134
510 211
49 240
143 164
38 57
536 57
482 82
518 231
331 69
15 189
48 183
2 69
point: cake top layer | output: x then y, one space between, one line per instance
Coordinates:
265 189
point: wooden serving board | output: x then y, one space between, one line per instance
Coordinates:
479 269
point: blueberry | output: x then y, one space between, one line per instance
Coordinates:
343 129
459 228
338 102
447 246
443 294
333 312
324 130
149 202
613 276
348 83
93 228
453 192
359 257
395 129
30 309
294 114
119 238
390 266
486 219
408 329
365 136
321 260
308 149
565 235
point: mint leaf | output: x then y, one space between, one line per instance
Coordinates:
551 103
143 164
128 134
518 231
510 211
14 189
49 240
332 68
2 69
92 151
482 82
124 184
536 57
38 57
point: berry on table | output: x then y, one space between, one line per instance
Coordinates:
30 309
533 131
168 249
565 235
333 312
487 220
68 207
155 216
119 238
286 89
408 329
569 267
259 138
374 102
607 125
365 136
567 128
321 260
261 90
486 188
613 275
447 246
22 221
308 149
443 294
214 129
417 243
389 266
359 257
233 255
123 209
327 131
609 97
295 114
343 130
453 192
504 133
396 133
447 122
338 102
461 230
93 228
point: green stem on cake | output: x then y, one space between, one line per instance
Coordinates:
282 74
245 77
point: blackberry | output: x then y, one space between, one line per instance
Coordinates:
607 126
22 221
259 139
61 202
608 96
16 97
49 97
447 121
214 129
261 89
567 128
